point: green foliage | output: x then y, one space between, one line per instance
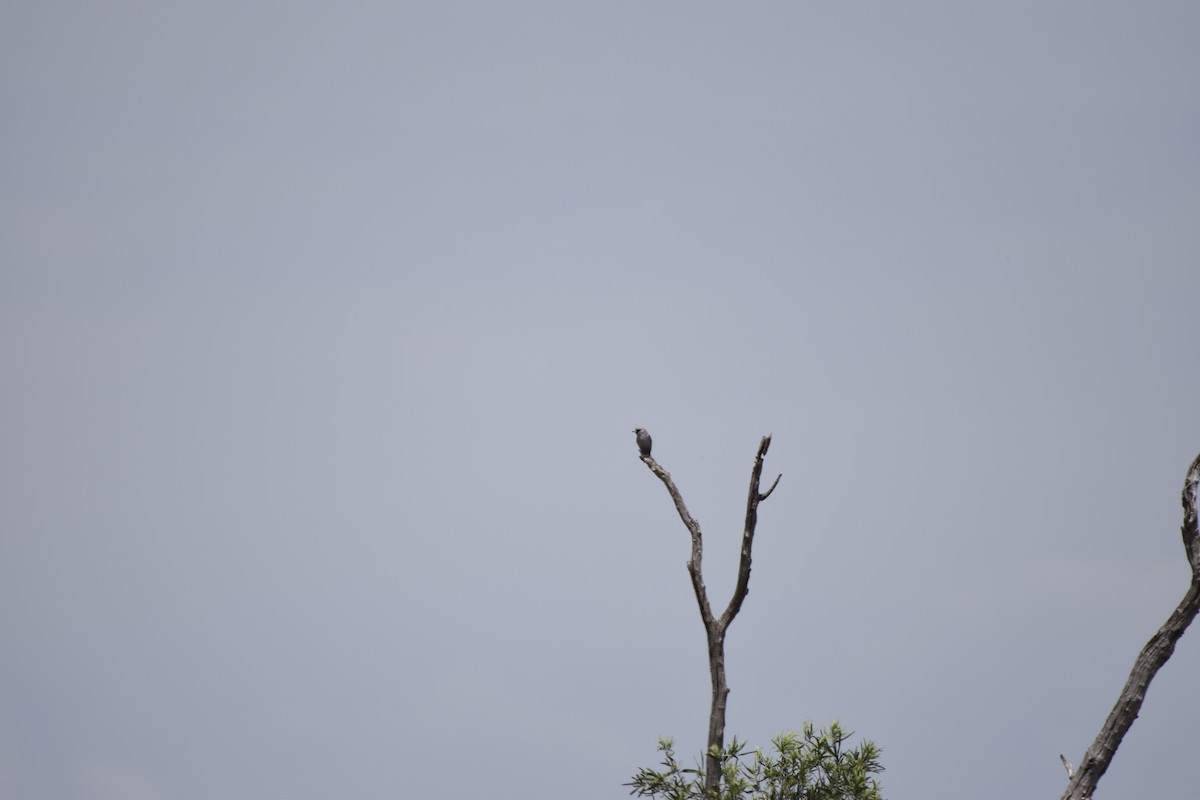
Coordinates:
809 765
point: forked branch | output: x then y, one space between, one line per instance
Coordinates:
716 628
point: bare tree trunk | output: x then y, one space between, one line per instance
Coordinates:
1156 652
716 627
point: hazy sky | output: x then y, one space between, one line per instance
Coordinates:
324 328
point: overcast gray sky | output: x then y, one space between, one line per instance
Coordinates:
324 328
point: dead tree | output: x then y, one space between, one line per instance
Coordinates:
717 626
1082 781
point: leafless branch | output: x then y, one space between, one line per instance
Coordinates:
693 526
1156 652
754 498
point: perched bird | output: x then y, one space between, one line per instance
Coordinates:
643 440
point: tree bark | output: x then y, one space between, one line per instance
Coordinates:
715 627
1082 781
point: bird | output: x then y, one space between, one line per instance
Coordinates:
643 440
